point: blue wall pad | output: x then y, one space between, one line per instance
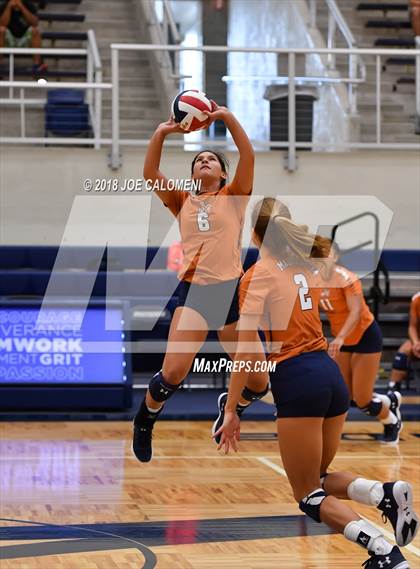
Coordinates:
194 405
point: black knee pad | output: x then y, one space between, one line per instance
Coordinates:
400 362
311 504
251 396
373 408
159 389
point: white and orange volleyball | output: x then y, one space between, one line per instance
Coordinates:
188 107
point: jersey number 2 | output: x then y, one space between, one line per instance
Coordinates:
305 301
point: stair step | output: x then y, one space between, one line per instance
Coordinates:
395 42
382 6
46 3
406 138
132 57
65 36
114 9
385 107
141 67
406 80
139 103
388 127
393 24
136 114
147 95
53 17
25 73
387 22
140 133
409 61
128 124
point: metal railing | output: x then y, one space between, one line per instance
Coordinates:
93 85
291 144
165 32
337 23
171 36
96 85
94 76
376 295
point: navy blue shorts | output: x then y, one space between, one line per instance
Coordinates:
212 301
369 343
309 385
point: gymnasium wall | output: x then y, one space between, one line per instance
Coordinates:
38 189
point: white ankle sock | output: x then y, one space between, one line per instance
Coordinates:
386 402
390 419
367 536
369 492
151 410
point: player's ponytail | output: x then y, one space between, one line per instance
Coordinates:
301 241
275 229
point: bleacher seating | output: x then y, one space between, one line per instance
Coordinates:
51 17
44 3
402 43
51 73
404 81
51 36
66 36
384 7
400 61
391 23
61 26
66 113
383 24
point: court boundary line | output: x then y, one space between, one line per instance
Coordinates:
385 532
148 554
271 465
208 457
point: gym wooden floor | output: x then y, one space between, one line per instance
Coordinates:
73 497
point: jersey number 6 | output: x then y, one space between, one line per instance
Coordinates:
305 301
203 221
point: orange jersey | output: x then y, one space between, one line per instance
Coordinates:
286 299
415 309
343 284
211 233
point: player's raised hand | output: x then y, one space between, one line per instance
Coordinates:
230 432
218 113
170 127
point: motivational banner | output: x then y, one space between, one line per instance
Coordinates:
57 348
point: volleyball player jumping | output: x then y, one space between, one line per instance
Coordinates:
210 224
280 294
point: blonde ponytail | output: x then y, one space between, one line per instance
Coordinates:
283 234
